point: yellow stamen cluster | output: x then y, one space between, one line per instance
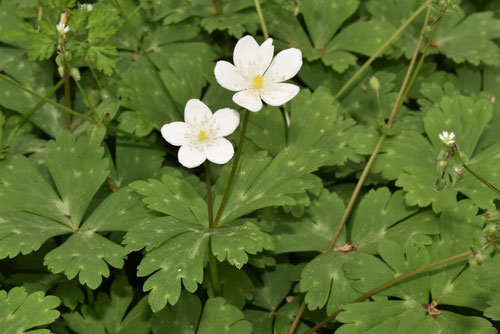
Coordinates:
202 135
258 81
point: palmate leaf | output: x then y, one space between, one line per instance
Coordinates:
184 317
19 312
470 39
333 50
262 181
394 316
379 216
31 211
109 314
467 117
459 225
35 76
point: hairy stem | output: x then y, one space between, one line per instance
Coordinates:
297 318
480 178
146 55
74 113
261 18
233 169
389 284
209 195
381 49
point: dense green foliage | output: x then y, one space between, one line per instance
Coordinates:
103 231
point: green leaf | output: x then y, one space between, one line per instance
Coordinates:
19 312
78 171
395 316
236 286
218 316
175 197
260 133
35 213
311 232
135 161
109 313
262 181
181 257
467 118
493 311
134 122
182 318
334 12
323 281
233 242
274 285
70 293
471 39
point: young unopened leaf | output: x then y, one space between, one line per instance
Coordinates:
20 312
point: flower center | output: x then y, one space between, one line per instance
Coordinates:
258 81
202 135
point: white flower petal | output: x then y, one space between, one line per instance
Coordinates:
248 99
278 94
266 52
196 112
228 77
225 121
220 152
246 57
284 66
175 133
190 156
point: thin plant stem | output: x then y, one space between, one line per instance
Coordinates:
94 74
39 104
480 178
297 318
233 169
67 94
212 263
146 55
381 49
389 284
261 18
381 140
86 99
209 195
383 136
75 114
217 6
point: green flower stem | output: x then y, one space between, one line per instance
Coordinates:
146 55
86 99
480 178
233 169
67 94
389 284
39 104
261 18
212 264
74 113
381 140
209 195
381 49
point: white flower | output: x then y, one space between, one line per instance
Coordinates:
255 77
87 6
62 28
447 138
201 135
